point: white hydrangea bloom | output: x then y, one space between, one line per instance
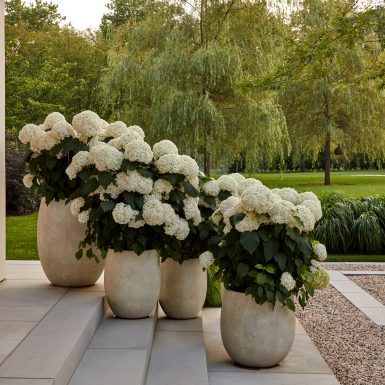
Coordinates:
122 141
52 119
43 141
138 130
305 221
226 182
116 129
206 259
287 194
314 207
164 147
188 167
169 163
134 224
191 210
305 196
315 265
133 181
211 188
152 212
84 216
178 228
28 180
162 188
138 151
28 132
287 281
113 190
248 182
105 157
123 214
239 178
320 251
216 217
282 212
228 203
87 124
258 199
104 124
62 129
250 222
79 161
76 205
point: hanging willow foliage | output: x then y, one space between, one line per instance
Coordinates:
177 74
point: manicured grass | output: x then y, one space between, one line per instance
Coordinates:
355 258
21 237
352 183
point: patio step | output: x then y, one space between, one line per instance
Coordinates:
52 349
118 353
178 355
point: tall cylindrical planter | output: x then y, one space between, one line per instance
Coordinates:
183 288
255 335
58 237
132 282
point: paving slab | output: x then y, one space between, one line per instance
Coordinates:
188 325
24 271
54 347
335 275
257 378
347 286
25 381
362 272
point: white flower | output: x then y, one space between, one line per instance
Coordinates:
314 207
188 167
206 259
162 188
250 222
28 132
243 185
258 199
116 129
287 194
152 212
138 151
79 161
42 141
305 196
191 210
87 124
227 183
62 129
315 265
282 212
239 178
84 216
169 163
211 188
76 205
228 204
133 181
303 219
52 119
28 180
178 228
134 224
138 130
122 141
164 147
105 157
287 281
123 214
113 190
320 251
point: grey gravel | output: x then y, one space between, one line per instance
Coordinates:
374 285
351 344
351 267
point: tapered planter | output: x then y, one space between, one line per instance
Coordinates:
255 335
58 237
183 288
132 282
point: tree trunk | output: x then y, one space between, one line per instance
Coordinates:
206 161
327 159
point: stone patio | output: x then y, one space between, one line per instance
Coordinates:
60 336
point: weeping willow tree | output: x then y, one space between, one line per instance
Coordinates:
176 72
326 94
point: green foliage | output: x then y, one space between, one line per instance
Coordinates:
213 295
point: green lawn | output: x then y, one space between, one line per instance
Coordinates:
21 230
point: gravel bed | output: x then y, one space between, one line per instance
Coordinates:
347 266
351 344
373 284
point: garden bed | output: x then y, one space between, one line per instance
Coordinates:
351 344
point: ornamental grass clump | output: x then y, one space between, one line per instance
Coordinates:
265 246
132 197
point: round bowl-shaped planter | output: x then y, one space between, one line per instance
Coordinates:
132 282
183 288
58 237
254 335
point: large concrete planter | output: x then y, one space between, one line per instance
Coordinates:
132 282
183 288
255 335
58 237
